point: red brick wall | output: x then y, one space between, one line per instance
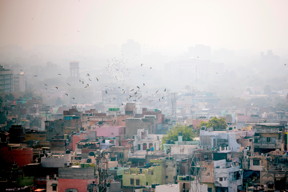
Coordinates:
21 156
79 184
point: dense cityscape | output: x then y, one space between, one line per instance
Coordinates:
138 141
143 96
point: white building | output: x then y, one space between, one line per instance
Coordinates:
181 149
144 141
213 140
227 175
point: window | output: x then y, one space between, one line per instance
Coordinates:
137 182
256 161
144 146
71 190
268 139
166 176
220 178
131 181
54 187
236 175
139 147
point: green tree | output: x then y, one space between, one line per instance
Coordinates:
218 124
187 134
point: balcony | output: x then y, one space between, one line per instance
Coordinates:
267 145
270 130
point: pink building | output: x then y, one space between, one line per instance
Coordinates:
111 131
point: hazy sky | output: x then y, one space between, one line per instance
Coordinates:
255 25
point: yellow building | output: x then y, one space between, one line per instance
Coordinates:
139 177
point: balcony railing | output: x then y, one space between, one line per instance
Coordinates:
272 130
267 145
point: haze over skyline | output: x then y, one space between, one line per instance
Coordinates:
160 25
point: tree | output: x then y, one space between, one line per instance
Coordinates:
172 136
218 124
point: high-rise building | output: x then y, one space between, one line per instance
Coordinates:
6 80
19 83
74 69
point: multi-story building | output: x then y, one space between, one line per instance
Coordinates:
77 179
145 141
265 163
268 137
213 140
227 176
147 122
70 124
145 176
6 80
19 84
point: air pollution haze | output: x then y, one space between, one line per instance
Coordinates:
143 95
220 46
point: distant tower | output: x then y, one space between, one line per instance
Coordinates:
74 69
173 104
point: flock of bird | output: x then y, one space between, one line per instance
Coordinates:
132 94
